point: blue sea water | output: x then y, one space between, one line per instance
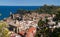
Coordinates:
5 10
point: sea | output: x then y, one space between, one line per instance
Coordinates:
5 10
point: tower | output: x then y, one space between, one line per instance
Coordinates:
11 15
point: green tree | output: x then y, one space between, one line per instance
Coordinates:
42 30
3 30
57 13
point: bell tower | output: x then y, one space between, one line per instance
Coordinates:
11 15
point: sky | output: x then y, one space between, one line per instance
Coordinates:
28 2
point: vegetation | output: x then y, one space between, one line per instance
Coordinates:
3 30
47 9
43 9
57 14
21 11
44 31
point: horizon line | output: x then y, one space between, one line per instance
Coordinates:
32 5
